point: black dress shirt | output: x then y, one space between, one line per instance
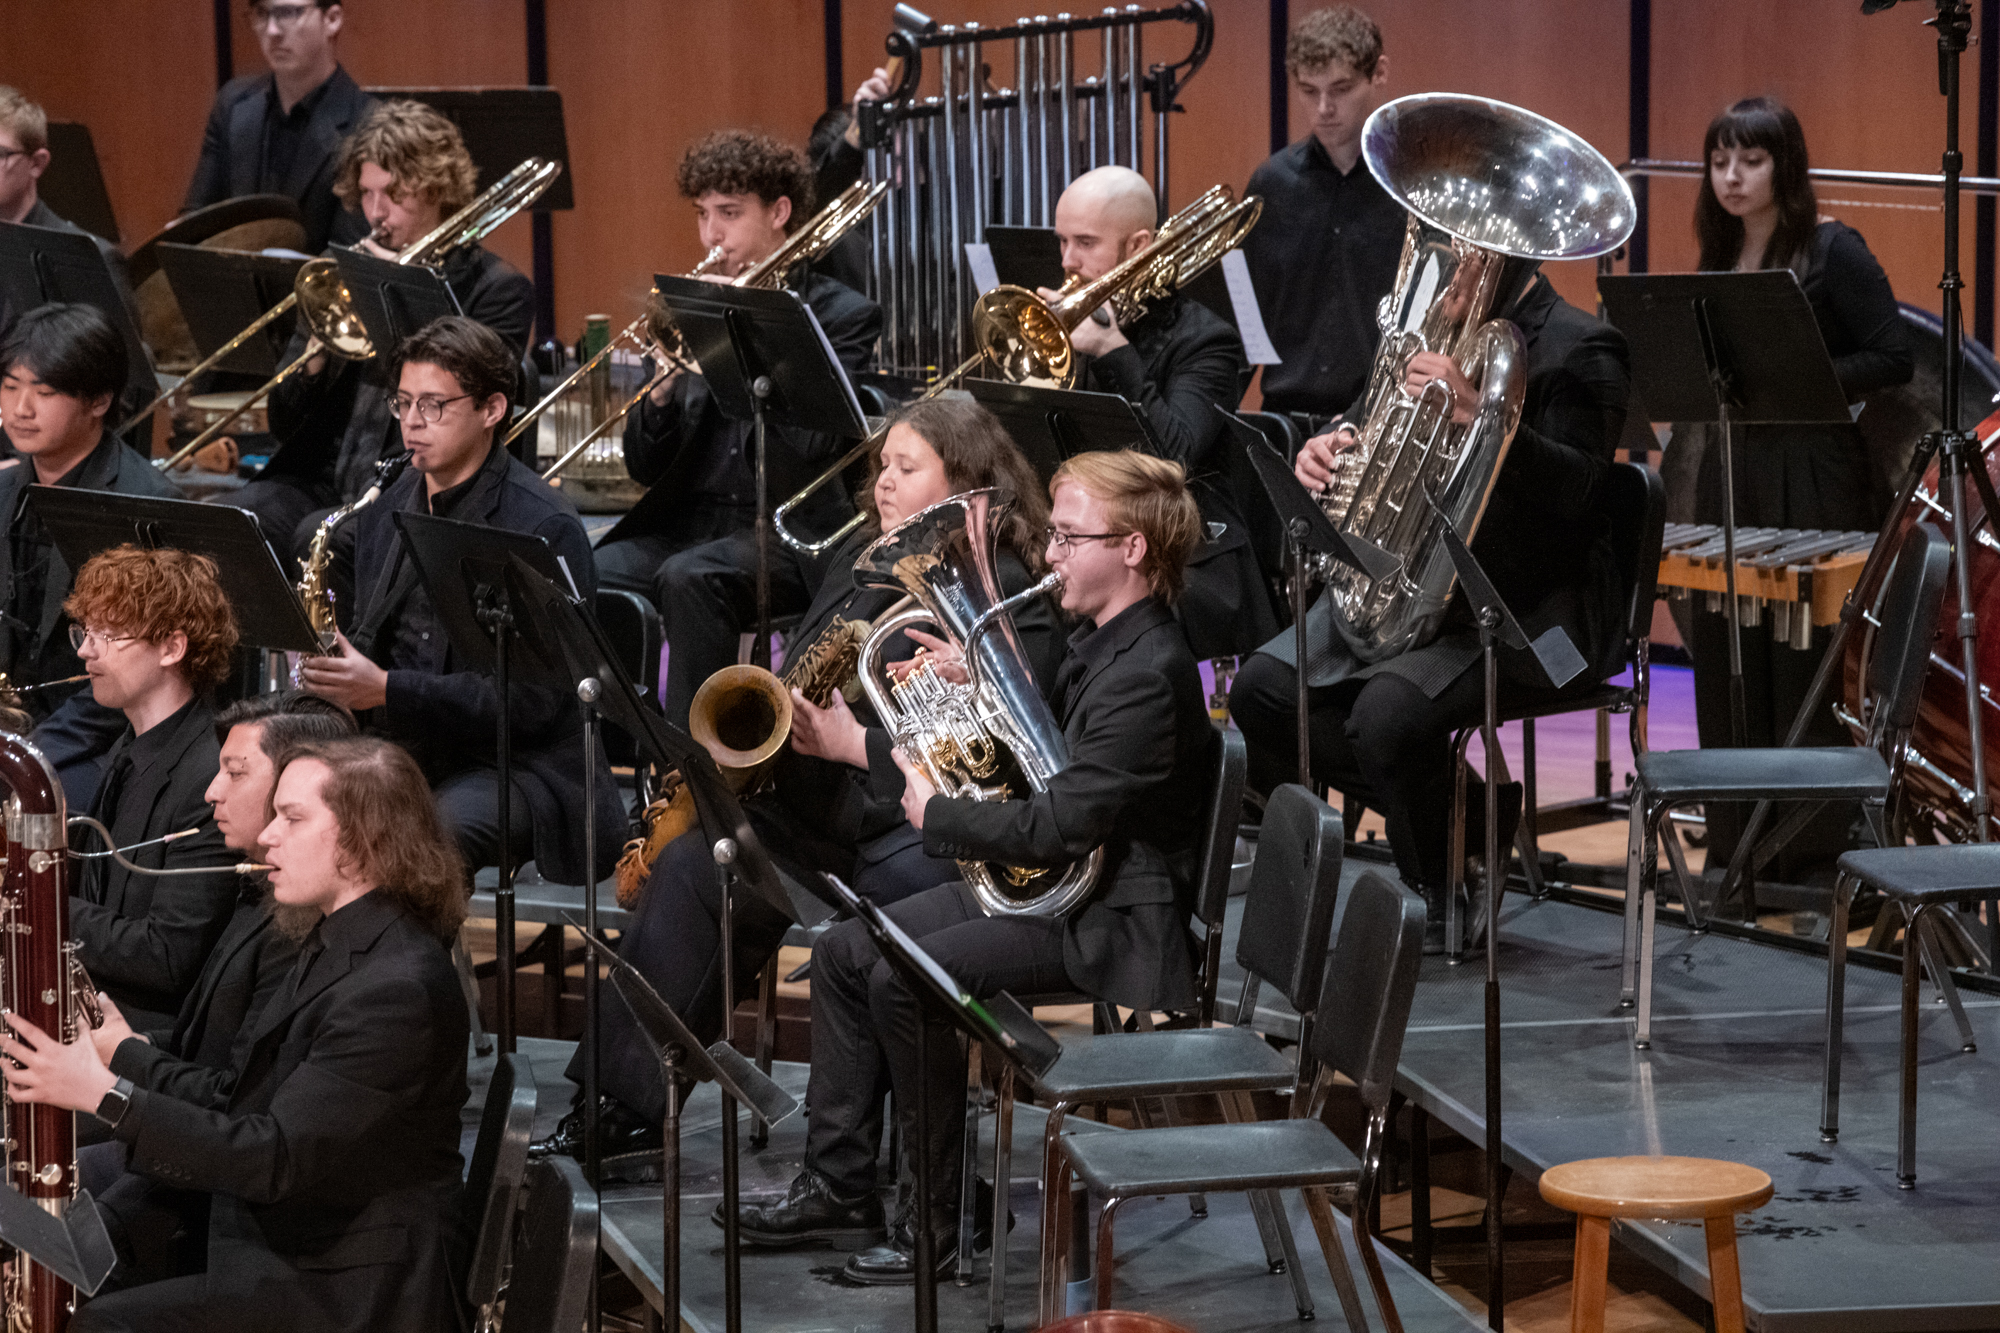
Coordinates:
285 135
419 639
1321 257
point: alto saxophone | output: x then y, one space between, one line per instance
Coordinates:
312 589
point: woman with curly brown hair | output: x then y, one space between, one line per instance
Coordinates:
157 635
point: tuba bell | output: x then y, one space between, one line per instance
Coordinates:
1492 191
994 737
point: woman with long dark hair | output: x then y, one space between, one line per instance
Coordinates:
1757 210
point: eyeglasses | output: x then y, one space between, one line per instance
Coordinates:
429 410
1063 541
79 636
285 16
8 154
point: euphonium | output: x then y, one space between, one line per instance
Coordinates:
994 737
41 981
1492 191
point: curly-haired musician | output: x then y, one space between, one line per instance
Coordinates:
1141 750
61 370
157 636
834 802
1178 363
749 193
395 665
333 1166
1326 247
407 170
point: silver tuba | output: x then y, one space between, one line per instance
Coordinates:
1492 191
993 738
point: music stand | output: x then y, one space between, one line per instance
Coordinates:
393 300
41 264
767 361
1736 349
1028 257
1051 426
73 185
466 570
74 1245
268 612
1308 531
221 292
1002 1023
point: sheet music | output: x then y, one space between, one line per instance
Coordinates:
846 385
979 259
1249 319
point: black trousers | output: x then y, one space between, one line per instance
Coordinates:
677 943
635 564
1381 741
468 804
708 599
865 1025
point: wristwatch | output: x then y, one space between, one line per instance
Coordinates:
116 1103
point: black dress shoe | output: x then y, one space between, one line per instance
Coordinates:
810 1210
894 1263
620 1130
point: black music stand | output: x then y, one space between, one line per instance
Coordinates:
1051 426
466 569
41 264
268 612
221 292
1028 257
73 185
1308 532
393 300
73 1245
767 361
1736 349
1001 1023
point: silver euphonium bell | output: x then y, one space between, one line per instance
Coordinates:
994 737
1492 191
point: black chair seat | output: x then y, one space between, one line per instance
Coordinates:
1927 874
1156 1064
1270 1154
1618 698
1824 773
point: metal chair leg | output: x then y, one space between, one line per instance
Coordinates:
1371 1263
1906 1108
1003 1175
1321 1211
1686 885
1055 1201
1101 1296
1934 963
1236 1109
1281 1220
1454 933
1649 874
968 1173
767 1032
1634 857
1836 1009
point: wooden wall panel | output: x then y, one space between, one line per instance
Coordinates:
140 73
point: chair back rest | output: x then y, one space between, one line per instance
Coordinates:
1634 503
1218 851
555 1252
1912 597
1294 883
493 1181
1371 981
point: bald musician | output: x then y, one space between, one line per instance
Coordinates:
1178 363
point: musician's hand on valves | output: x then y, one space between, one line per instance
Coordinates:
41 1069
942 655
1098 334
1428 366
831 732
114 1032
348 678
917 790
1314 465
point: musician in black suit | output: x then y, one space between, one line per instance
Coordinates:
1178 362
278 133
24 156
1382 732
61 370
834 800
395 666
1141 752
407 170
332 1167
749 193
157 636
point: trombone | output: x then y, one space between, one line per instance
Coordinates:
1027 337
653 334
328 309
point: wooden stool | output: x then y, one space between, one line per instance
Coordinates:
1601 1188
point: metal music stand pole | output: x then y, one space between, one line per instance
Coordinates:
1296 530
724 853
587 691
1496 881
495 614
760 651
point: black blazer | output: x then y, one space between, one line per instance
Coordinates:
195 1059
334 1165
668 448
144 938
232 148
1181 362
1141 755
449 719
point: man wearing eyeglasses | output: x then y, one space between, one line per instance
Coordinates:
280 132
394 665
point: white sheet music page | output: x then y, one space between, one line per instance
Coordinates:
979 260
1249 319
